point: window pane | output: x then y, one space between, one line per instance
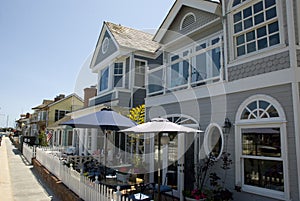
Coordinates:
274 39
269 3
264 173
215 41
250 36
240 40
245 114
200 68
200 47
214 142
263 104
185 53
251 47
252 106
155 81
263 43
216 62
261 142
236 2
248 23
247 12
271 13
261 32
238 27
118 81
237 17
241 50
258 7
104 80
273 112
173 58
259 18
273 27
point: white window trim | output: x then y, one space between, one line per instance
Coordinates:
181 23
134 72
206 139
123 73
279 122
232 11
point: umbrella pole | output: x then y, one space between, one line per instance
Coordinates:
105 150
158 183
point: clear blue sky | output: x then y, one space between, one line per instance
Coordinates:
45 45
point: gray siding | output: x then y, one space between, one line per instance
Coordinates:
298 58
268 64
124 99
111 49
202 18
215 108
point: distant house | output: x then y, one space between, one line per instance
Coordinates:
59 135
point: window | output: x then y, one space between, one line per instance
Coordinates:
104 75
89 139
187 20
213 141
105 45
207 60
59 114
118 75
139 79
179 69
155 81
261 133
255 26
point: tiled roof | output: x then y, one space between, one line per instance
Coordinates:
131 38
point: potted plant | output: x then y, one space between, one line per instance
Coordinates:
216 190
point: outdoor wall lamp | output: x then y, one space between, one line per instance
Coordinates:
227 126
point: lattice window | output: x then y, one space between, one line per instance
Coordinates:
188 19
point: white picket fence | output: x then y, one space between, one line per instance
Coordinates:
85 188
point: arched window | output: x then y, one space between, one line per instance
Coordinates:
187 20
260 136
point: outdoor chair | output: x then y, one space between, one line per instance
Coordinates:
143 192
165 188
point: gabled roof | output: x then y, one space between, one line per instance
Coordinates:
204 5
43 105
71 95
131 38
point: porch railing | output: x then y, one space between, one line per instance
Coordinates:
85 188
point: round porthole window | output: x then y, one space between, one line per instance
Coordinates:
105 44
213 141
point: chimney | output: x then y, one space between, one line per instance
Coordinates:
89 93
59 97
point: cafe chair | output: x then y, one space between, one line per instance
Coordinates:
143 192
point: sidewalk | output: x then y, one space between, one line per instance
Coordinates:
18 180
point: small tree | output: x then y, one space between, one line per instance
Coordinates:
137 114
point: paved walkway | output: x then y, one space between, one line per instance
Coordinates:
18 179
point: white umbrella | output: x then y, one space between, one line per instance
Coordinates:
159 125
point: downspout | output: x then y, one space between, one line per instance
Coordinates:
295 86
225 41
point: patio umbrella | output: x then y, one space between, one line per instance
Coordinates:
106 119
159 125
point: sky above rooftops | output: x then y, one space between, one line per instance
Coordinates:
46 46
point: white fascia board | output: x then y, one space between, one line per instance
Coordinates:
201 5
222 88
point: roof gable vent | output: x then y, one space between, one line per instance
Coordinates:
187 20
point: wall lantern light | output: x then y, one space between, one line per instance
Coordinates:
227 126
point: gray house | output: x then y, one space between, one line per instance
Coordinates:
236 62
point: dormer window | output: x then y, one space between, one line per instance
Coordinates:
187 20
